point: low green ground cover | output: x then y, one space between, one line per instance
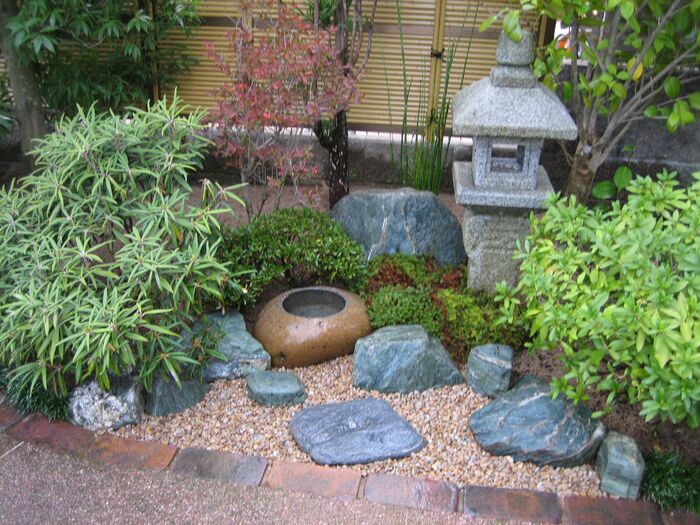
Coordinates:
403 289
672 483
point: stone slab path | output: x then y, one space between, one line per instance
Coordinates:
56 472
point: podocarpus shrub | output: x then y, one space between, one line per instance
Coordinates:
102 260
616 293
294 247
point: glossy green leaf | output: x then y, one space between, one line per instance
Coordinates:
672 87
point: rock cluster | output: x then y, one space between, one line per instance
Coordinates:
620 466
488 369
91 407
167 397
242 352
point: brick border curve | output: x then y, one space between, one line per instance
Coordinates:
342 483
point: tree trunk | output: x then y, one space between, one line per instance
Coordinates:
338 175
23 81
587 160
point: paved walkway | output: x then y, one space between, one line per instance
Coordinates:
38 485
54 472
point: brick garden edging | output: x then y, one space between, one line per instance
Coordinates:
343 483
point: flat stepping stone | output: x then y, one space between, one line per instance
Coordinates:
528 425
358 431
274 388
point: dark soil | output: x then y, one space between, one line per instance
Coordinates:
655 436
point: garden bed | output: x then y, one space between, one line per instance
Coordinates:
227 419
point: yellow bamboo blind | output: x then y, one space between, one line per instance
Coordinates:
382 82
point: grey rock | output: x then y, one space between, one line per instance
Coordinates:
358 431
402 359
275 388
91 407
511 53
527 424
488 369
166 397
401 221
243 353
620 466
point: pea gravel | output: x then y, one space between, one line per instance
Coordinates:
228 420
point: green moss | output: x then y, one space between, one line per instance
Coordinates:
671 483
470 320
296 247
403 289
393 305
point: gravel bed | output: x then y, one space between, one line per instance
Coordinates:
228 420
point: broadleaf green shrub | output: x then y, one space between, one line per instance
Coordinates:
293 246
103 262
617 293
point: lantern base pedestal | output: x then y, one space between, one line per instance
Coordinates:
494 220
489 240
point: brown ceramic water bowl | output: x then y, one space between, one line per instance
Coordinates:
307 326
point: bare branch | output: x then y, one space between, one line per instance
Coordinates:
370 31
649 40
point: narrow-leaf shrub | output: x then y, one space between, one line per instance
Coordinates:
294 247
616 293
671 483
27 401
102 260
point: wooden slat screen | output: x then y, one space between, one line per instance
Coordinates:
381 86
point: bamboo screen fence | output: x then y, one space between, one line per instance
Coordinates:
427 25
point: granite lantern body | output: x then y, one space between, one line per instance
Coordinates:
508 115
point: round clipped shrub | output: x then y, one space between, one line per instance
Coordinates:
617 294
293 246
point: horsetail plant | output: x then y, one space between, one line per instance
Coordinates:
103 262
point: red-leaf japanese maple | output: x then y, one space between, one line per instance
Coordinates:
285 76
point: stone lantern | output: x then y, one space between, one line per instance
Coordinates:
508 115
